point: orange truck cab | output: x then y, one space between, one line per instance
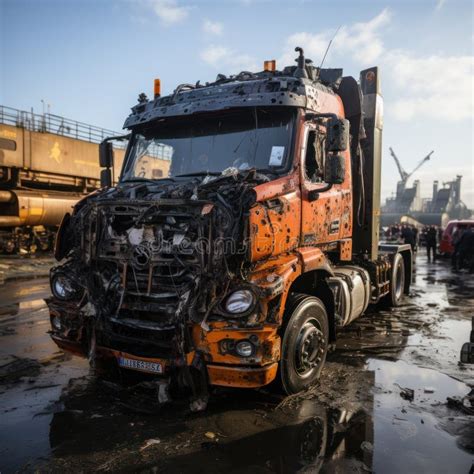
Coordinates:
238 267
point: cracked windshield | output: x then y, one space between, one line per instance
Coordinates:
250 138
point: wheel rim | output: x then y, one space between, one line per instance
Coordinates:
399 281
309 348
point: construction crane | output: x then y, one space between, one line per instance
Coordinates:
403 174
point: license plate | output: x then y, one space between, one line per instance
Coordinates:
142 365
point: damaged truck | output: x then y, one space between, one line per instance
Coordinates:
238 268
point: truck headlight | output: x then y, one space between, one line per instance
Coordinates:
63 287
239 302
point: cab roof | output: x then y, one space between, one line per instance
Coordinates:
294 86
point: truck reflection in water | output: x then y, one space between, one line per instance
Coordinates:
314 437
299 435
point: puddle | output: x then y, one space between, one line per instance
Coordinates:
366 427
408 437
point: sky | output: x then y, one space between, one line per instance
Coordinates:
89 60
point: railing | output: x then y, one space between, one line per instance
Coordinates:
55 124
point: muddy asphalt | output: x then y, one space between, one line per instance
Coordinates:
56 417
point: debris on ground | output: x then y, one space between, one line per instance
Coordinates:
406 392
464 404
367 447
17 367
198 405
150 442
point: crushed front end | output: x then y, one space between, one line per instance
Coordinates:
182 271
152 279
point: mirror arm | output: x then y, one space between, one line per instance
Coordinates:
118 138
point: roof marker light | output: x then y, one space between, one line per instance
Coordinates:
157 88
269 66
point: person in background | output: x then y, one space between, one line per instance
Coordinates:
423 233
464 251
415 235
455 239
408 236
431 240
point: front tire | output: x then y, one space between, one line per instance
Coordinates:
304 344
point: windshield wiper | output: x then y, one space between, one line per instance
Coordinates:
199 173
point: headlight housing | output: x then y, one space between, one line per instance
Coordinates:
240 302
63 287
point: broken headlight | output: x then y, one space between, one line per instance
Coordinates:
56 322
63 287
240 302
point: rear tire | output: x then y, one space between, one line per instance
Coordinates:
304 344
397 281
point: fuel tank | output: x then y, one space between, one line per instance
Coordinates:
33 208
351 288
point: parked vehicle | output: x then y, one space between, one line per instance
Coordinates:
238 267
446 245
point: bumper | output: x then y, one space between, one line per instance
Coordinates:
241 376
222 375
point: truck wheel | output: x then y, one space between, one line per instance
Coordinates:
10 247
305 343
397 281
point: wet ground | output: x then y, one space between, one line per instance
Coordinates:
362 417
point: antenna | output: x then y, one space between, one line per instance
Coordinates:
329 45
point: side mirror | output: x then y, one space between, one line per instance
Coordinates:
335 169
106 178
337 134
106 154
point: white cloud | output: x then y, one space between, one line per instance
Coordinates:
432 86
213 54
169 12
227 60
440 4
439 87
212 27
362 41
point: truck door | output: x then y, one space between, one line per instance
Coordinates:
322 218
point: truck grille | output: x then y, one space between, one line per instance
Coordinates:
159 255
